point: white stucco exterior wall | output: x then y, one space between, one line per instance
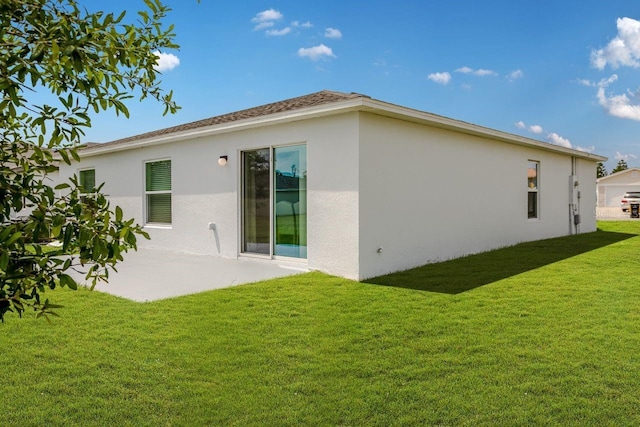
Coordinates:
428 195
204 192
422 194
332 191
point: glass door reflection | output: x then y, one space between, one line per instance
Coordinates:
256 204
290 201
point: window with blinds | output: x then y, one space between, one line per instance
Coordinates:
87 181
158 191
87 184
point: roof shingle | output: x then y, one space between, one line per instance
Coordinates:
311 100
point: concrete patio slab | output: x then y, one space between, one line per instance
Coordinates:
153 274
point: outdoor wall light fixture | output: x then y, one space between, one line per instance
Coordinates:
223 160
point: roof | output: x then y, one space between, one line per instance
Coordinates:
618 174
314 99
318 104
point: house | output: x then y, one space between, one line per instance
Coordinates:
342 183
611 188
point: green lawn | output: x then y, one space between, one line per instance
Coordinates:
545 333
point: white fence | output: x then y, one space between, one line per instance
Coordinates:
611 213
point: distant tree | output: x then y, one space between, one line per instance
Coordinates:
622 165
86 63
601 170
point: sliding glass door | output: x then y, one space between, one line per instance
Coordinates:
256 201
274 201
290 201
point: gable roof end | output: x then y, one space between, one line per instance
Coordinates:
619 173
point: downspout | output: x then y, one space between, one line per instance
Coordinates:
574 198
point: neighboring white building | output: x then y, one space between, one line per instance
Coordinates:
343 183
612 187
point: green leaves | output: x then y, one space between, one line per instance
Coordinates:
64 156
69 231
90 62
62 233
12 239
66 280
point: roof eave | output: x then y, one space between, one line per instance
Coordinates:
471 129
276 118
615 174
357 104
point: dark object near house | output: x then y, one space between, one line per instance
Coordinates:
635 210
629 198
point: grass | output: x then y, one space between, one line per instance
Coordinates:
544 333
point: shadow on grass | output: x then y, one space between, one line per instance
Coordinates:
470 272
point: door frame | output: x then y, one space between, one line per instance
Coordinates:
272 207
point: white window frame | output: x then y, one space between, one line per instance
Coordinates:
533 189
89 194
241 207
147 193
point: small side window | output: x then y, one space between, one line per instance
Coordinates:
533 189
87 183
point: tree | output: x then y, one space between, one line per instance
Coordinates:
86 63
601 171
622 165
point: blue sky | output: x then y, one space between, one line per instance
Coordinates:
559 71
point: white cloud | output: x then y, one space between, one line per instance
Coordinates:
166 61
622 106
515 75
441 78
263 25
465 70
266 19
558 140
625 157
480 72
552 137
297 24
332 33
607 82
586 149
536 129
267 15
317 52
623 50
483 72
619 105
282 32
601 83
585 82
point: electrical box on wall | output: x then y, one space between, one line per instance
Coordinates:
573 189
